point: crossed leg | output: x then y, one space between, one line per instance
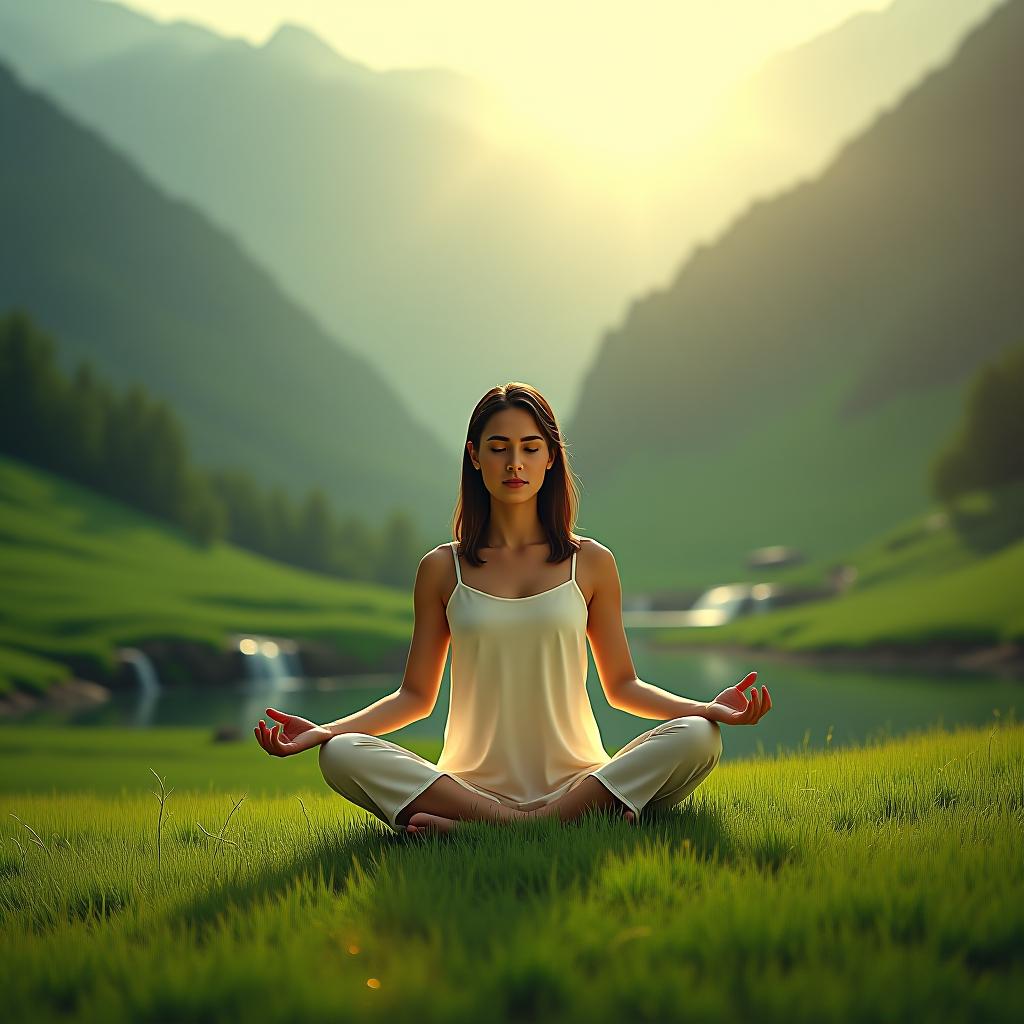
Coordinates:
444 803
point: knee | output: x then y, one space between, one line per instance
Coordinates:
700 736
714 737
340 751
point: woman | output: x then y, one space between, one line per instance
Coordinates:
521 739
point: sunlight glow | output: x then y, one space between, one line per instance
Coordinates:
618 83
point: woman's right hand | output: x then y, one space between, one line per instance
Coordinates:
295 735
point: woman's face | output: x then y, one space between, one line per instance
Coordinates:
512 445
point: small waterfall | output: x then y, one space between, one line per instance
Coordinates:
270 662
149 684
272 668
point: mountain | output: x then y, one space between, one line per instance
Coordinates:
149 290
793 380
389 204
382 201
785 122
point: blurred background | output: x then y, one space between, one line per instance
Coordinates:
260 260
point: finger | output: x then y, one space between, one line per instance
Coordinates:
750 712
275 739
760 705
278 716
768 698
746 681
755 700
268 743
259 736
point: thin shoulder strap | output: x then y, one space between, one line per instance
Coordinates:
455 554
572 574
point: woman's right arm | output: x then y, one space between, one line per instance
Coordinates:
424 667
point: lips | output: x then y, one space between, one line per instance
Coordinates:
514 483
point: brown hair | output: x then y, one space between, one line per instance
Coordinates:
558 498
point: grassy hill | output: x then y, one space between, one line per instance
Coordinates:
920 583
82 575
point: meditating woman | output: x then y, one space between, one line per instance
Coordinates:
521 739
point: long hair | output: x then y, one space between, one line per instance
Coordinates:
558 497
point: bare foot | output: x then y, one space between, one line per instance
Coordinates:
630 816
421 823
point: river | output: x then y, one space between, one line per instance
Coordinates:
813 707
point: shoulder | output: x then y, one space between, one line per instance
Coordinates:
595 553
596 566
435 577
436 567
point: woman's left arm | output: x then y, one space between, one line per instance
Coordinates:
619 678
607 635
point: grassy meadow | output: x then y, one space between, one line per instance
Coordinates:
876 883
83 575
916 585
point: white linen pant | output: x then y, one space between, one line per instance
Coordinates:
658 768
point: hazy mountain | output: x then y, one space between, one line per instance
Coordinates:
786 121
381 201
792 381
146 287
378 199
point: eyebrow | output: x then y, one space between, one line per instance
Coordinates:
502 437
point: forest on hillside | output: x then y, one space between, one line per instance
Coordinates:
131 446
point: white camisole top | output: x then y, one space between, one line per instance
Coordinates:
520 723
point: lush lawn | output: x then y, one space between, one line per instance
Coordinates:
876 883
82 575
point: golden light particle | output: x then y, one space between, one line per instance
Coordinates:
353 949
372 983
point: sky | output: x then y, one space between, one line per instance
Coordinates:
624 80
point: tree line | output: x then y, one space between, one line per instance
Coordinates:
986 450
131 447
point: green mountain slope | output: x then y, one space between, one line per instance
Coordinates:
377 199
83 575
150 290
791 384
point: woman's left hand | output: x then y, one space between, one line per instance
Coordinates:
731 706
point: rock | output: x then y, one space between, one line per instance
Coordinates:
69 695
227 734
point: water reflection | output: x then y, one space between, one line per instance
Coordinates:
856 706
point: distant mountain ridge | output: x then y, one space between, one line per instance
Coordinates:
379 201
149 290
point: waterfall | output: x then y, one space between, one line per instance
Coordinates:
272 667
149 684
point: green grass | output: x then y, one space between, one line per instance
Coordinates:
114 761
882 882
915 585
83 575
